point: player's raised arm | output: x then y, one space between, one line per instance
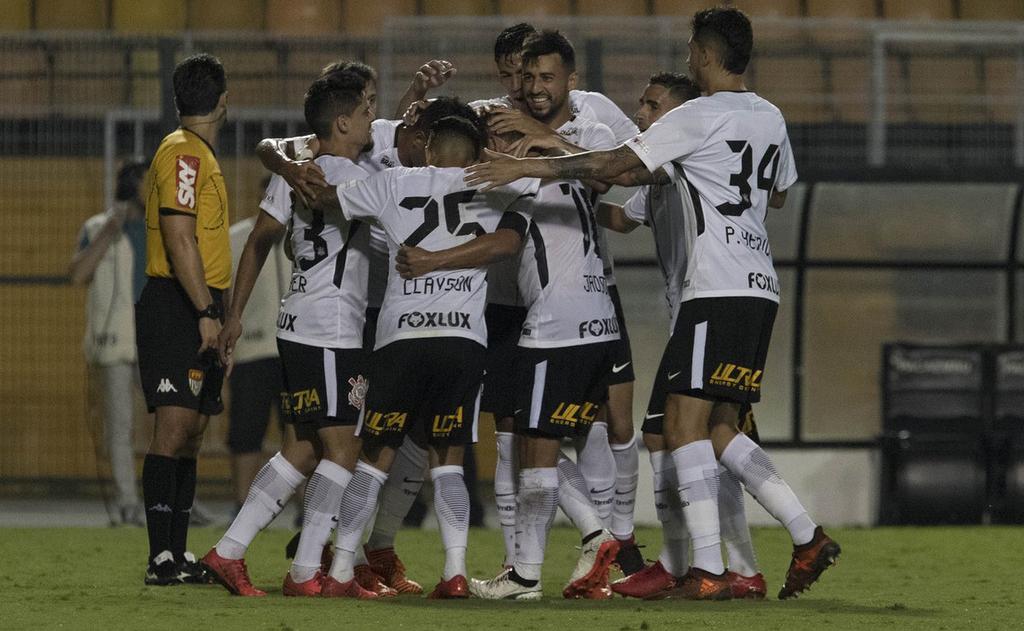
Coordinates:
430 75
278 155
596 165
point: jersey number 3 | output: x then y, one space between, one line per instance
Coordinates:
741 180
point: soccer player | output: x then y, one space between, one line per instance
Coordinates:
734 161
428 361
608 459
660 207
320 329
111 256
396 143
178 315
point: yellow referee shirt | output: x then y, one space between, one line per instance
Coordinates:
184 178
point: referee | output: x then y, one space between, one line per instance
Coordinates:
178 316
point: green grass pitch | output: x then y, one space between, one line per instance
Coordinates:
911 578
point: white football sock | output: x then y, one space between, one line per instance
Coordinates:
627 475
537 502
357 506
323 497
451 503
505 492
273 486
597 466
675 539
732 518
697 473
573 498
754 468
404 482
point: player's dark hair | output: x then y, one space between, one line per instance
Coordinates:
443 107
129 178
198 81
679 86
510 41
729 31
331 96
366 72
549 42
459 128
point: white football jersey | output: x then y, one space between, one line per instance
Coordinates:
379 268
561 274
591 105
664 211
432 208
730 151
326 301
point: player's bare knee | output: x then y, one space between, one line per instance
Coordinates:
447 455
301 455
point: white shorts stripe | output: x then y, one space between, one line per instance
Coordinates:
540 373
700 336
476 413
331 379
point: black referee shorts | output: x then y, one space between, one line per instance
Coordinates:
167 336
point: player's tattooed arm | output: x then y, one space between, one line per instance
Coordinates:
554 145
590 165
613 217
411 262
640 176
278 156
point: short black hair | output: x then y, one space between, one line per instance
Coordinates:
129 178
366 72
199 81
681 87
549 42
444 107
729 31
510 41
457 127
331 96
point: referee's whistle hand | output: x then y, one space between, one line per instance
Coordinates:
209 329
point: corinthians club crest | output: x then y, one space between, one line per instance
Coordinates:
357 394
195 380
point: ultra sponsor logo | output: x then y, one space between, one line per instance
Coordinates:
377 423
763 282
301 402
188 173
429 285
597 328
731 375
573 414
444 425
434 319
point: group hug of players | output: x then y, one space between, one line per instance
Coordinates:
453 263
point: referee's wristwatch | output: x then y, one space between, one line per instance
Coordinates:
212 311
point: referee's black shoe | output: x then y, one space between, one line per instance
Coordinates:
163 570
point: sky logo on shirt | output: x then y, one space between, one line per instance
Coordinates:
188 173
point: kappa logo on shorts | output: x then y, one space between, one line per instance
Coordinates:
195 380
357 395
732 376
188 173
166 386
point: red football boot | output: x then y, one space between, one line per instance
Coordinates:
650 583
231 573
386 564
311 587
752 587
809 561
455 587
369 580
331 588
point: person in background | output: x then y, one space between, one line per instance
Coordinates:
111 261
255 383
